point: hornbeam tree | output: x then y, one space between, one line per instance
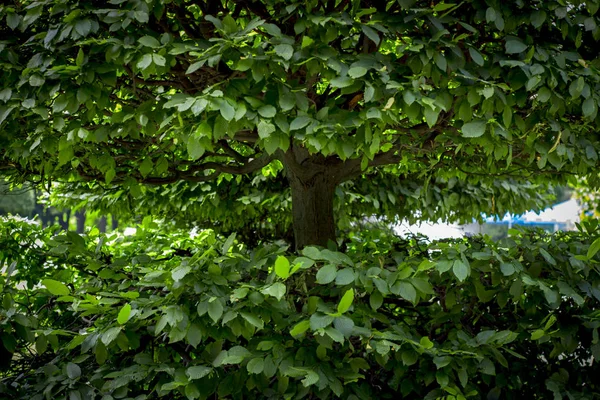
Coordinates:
122 94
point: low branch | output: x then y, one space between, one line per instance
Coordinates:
190 174
231 152
246 136
137 80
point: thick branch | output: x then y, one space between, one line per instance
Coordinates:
231 152
189 174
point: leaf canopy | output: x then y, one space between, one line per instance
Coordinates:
193 95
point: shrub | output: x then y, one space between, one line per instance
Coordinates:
196 316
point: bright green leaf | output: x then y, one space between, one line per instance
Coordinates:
346 301
55 287
124 314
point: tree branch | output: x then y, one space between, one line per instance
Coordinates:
231 152
190 174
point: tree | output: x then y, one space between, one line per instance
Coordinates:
447 95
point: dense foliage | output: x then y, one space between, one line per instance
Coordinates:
272 101
268 118
187 316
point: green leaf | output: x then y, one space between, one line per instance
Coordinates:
408 97
253 320
589 108
100 353
226 109
83 27
180 272
41 344
215 310
461 270
149 41
371 34
507 269
476 56
440 61
236 355
146 167
73 370
426 343
515 46
345 276
282 267
405 290
409 357
284 51
299 122
159 60
341 82
369 92
55 287
265 129
548 257
357 72
537 334
144 62
537 18
194 335
36 80
334 334
300 328
228 243
326 274
191 391
319 321
13 20
344 325
346 301
276 290
443 6
474 129
5 94
198 371
310 379
267 111
256 366
307 41
375 300
124 314
431 115
195 148
110 335
593 249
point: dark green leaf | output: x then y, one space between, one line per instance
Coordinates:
474 129
515 46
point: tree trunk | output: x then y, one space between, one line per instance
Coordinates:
312 209
313 179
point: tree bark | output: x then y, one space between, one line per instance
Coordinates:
312 210
313 180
